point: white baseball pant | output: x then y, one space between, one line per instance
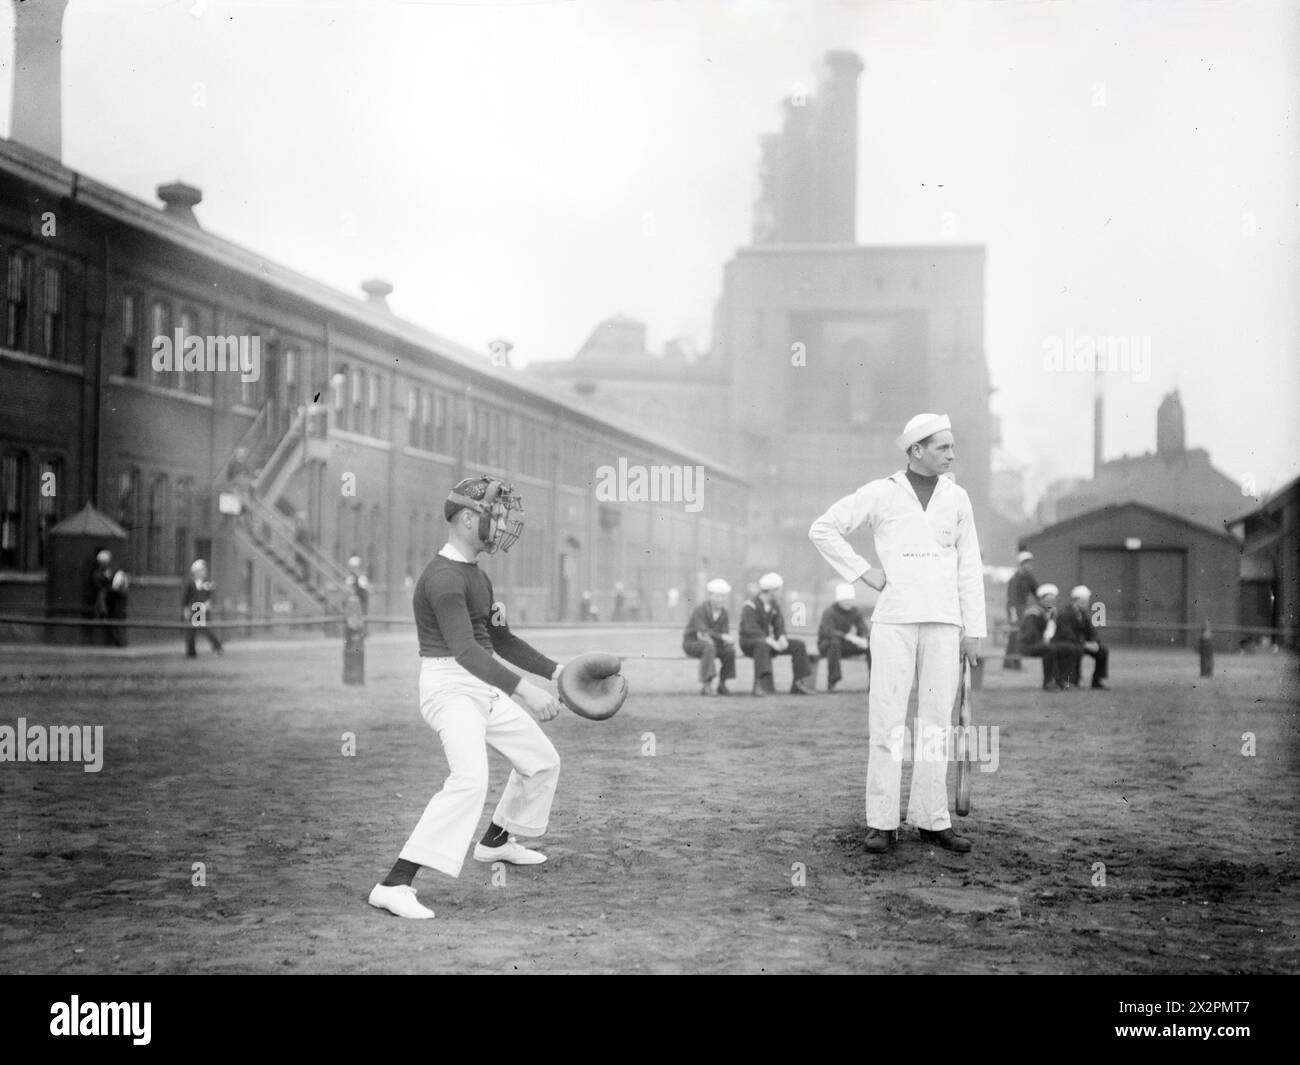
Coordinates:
928 651
469 716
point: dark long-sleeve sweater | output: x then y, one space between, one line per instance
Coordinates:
836 621
703 622
455 615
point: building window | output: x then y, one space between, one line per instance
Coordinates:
413 569
440 426
372 398
485 437
48 489
52 324
18 301
157 548
130 335
184 518
340 531
128 497
198 382
374 560
428 440
159 326
498 455
412 410
13 490
253 393
340 385
358 392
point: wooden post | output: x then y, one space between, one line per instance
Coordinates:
354 643
1206 647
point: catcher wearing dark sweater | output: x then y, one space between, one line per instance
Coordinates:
465 696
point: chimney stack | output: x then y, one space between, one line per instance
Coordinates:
36 119
377 292
1098 423
179 201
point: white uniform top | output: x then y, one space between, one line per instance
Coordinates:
931 556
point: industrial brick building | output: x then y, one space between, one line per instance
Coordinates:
345 440
822 349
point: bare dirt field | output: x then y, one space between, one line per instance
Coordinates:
689 834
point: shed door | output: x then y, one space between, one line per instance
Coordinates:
1162 589
1146 587
1107 572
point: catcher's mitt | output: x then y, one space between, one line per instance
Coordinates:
592 686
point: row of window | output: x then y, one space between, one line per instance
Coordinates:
35 299
359 530
31 493
488 437
161 520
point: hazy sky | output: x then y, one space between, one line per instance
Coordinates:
523 170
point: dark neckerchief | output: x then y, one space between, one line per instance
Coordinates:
923 486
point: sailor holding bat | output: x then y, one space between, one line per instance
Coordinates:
929 616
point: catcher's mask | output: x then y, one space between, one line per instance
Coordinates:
490 498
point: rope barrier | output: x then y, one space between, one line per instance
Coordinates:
176 626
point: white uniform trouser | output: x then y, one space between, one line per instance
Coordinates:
469 716
928 651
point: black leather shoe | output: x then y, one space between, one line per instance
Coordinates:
1099 686
799 688
831 686
723 689
879 840
947 839
1052 687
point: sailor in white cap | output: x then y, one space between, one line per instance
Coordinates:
842 634
196 601
762 636
1077 632
358 583
1037 633
929 616
708 638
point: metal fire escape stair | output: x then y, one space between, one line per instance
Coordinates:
315 582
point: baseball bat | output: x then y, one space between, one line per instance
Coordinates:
963 740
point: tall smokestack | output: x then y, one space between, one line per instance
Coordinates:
836 221
37 116
1098 418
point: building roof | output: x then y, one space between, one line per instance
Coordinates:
89 522
1272 502
1109 509
43 171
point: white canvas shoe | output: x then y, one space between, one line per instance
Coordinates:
510 851
399 899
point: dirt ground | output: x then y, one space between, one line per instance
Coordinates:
736 846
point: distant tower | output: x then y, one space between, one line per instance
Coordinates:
1170 438
808 174
37 115
1098 422
835 214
